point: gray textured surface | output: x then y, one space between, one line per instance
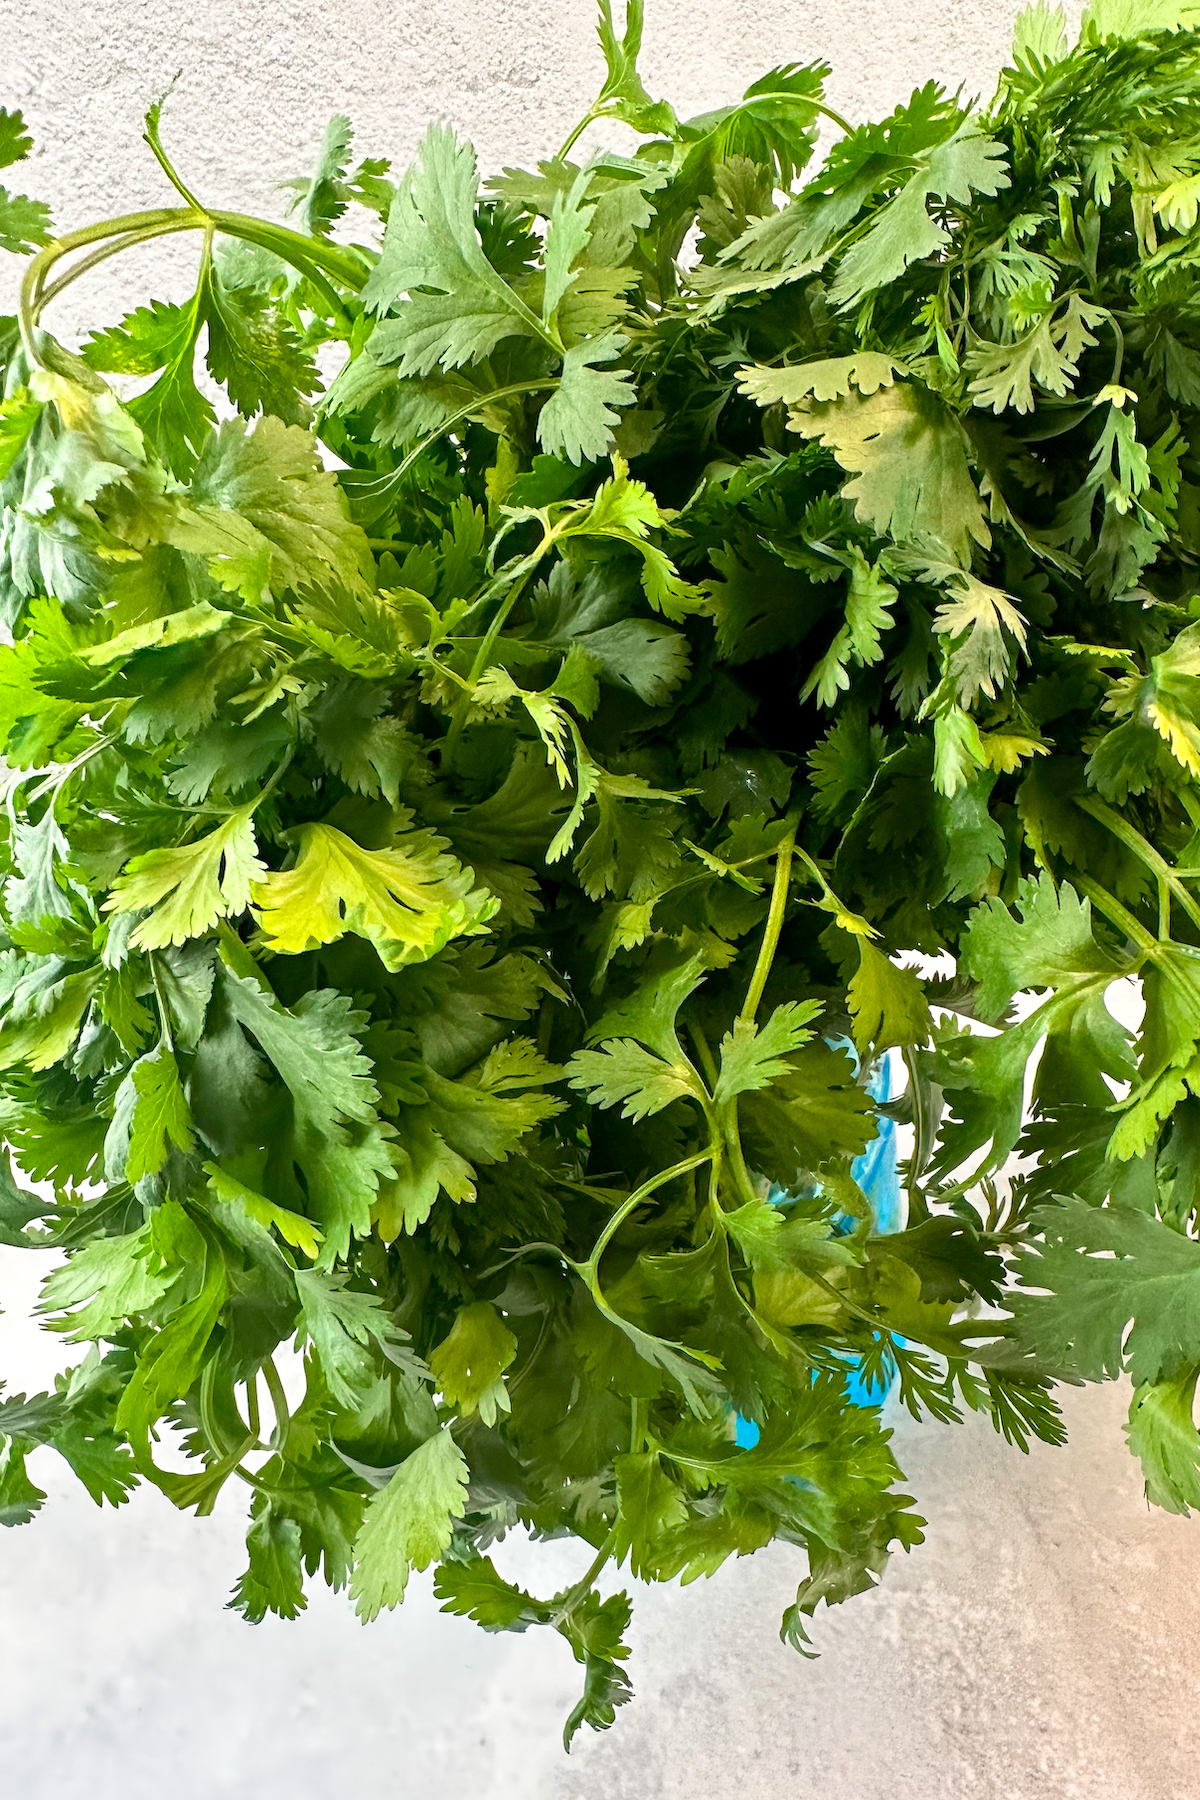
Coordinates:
1043 1643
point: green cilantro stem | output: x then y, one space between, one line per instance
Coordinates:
164 1016
283 1417
1133 840
152 137
587 1581
770 943
1118 915
482 656
379 490
238 958
639 1196
313 258
737 1157
253 1419
114 247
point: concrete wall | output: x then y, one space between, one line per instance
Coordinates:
1043 1644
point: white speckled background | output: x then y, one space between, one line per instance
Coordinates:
1042 1645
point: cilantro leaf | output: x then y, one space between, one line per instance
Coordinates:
185 891
468 1363
1122 1291
408 1523
752 1056
408 900
907 456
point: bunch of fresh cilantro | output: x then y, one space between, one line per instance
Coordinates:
470 827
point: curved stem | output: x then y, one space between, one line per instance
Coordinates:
150 136
737 1158
311 257
147 224
344 263
266 792
381 487
113 247
253 1419
1115 913
1119 351
283 1417
704 1055
835 117
164 1017
589 118
586 1582
531 1359
238 958
488 643
770 943
636 1199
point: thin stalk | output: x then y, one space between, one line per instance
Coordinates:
238 958
113 248
266 792
589 118
164 1016
704 1055
381 487
539 1344
1115 913
1146 853
770 943
59 777
283 1417
151 223
340 261
488 644
150 136
636 1199
313 258
737 1158
587 1580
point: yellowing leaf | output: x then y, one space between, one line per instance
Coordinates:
1179 203
189 888
408 900
198 621
830 379
977 618
906 454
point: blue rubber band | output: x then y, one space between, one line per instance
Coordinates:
877 1173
